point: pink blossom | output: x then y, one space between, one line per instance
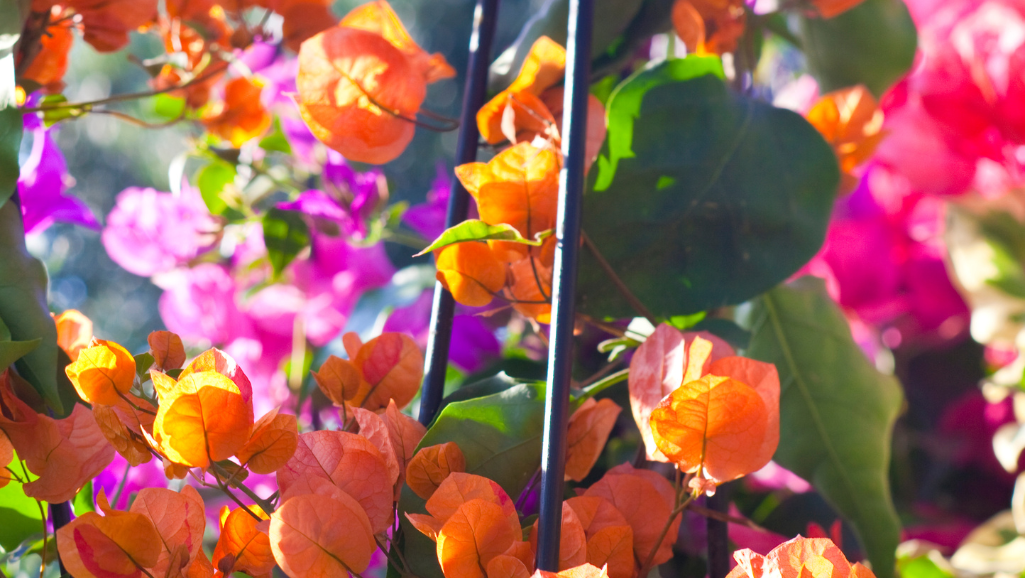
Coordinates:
41 185
775 477
428 218
150 232
199 304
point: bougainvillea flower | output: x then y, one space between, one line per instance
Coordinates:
65 453
471 272
202 418
322 534
74 332
150 232
199 305
431 465
275 437
114 545
167 350
130 445
391 366
303 19
6 457
51 62
506 566
179 520
609 535
519 187
800 557
657 369
372 427
553 98
531 289
709 26
41 185
241 116
544 66
106 23
646 503
472 536
216 360
241 547
852 123
572 539
362 82
458 488
338 379
582 571
102 373
589 429
405 434
350 462
428 218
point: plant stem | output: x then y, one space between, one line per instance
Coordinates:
121 486
605 383
665 530
617 281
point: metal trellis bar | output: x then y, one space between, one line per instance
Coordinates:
567 231
718 539
484 17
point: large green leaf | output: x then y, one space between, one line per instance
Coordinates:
701 197
10 143
611 19
23 307
12 18
836 410
19 515
500 435
872 44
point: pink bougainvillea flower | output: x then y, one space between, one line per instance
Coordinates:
199 304
428 218
150 232
44 179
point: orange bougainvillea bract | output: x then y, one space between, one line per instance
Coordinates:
798 558
202 418
240 116
339 380
275 437
241 546
361 84
471 272
102 373
852 123
114 545
431 465
179 520
167 350
391 366
472 537
709 26
74 332
589 429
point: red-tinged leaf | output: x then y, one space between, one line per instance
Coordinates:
372 427
275 437
348 461
405 433
179 519
431 465
115 545
474 535
596 513
167 350
589 429
339 380
320 536
102 373
644 508
202 419
224 364
572 539
505 566
658 368
392 367
129 444
612 548
6 457
459 488
241 547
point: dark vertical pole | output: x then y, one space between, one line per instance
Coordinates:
567 231
466 152
60 516
718 538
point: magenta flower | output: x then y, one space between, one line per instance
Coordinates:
150 232
428 218
199 305
44 179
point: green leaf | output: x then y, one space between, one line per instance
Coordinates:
52 116
168 107
611 19
474 230
23 307
924 565
701 197
19 513
285 234
276 140
10 143
836 410
500 436
211 181
489 386
11 351
83 500
143 362
873 44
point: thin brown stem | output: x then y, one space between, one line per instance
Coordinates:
132 403
662 535
606 327
219 473
601 372
139 122
618 282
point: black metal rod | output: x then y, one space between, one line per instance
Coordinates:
718 536
60 516
484 18
564 282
